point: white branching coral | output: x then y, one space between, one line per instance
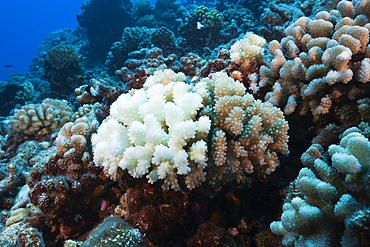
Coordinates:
161 132
248 48
155 132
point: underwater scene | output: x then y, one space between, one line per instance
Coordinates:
191 123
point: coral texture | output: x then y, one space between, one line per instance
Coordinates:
329 205
162 131
63 187
321 66
112 231
40 119
247 48
63 68
206 34
142 64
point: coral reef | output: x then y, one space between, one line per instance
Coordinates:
321 67
64 187
65 37
165 39
167 12
17 89
142 8
240 18
113 230
142 64
133 38
191 64
276 18
21 234
180 137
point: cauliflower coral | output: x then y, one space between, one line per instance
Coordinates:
40 119
154 131
166 130
329 205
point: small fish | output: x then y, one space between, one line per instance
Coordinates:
199 25
93 91
8 66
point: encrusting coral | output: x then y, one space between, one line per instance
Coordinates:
112 231
162 131
63 188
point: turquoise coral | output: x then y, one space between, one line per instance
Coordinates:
330 203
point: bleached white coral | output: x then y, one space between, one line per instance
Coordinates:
154 132
248 48
109 145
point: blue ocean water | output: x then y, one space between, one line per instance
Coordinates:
25 24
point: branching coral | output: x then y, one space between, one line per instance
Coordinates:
320 64
40 119
153 125
329 201
247 133
248 48
162 131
